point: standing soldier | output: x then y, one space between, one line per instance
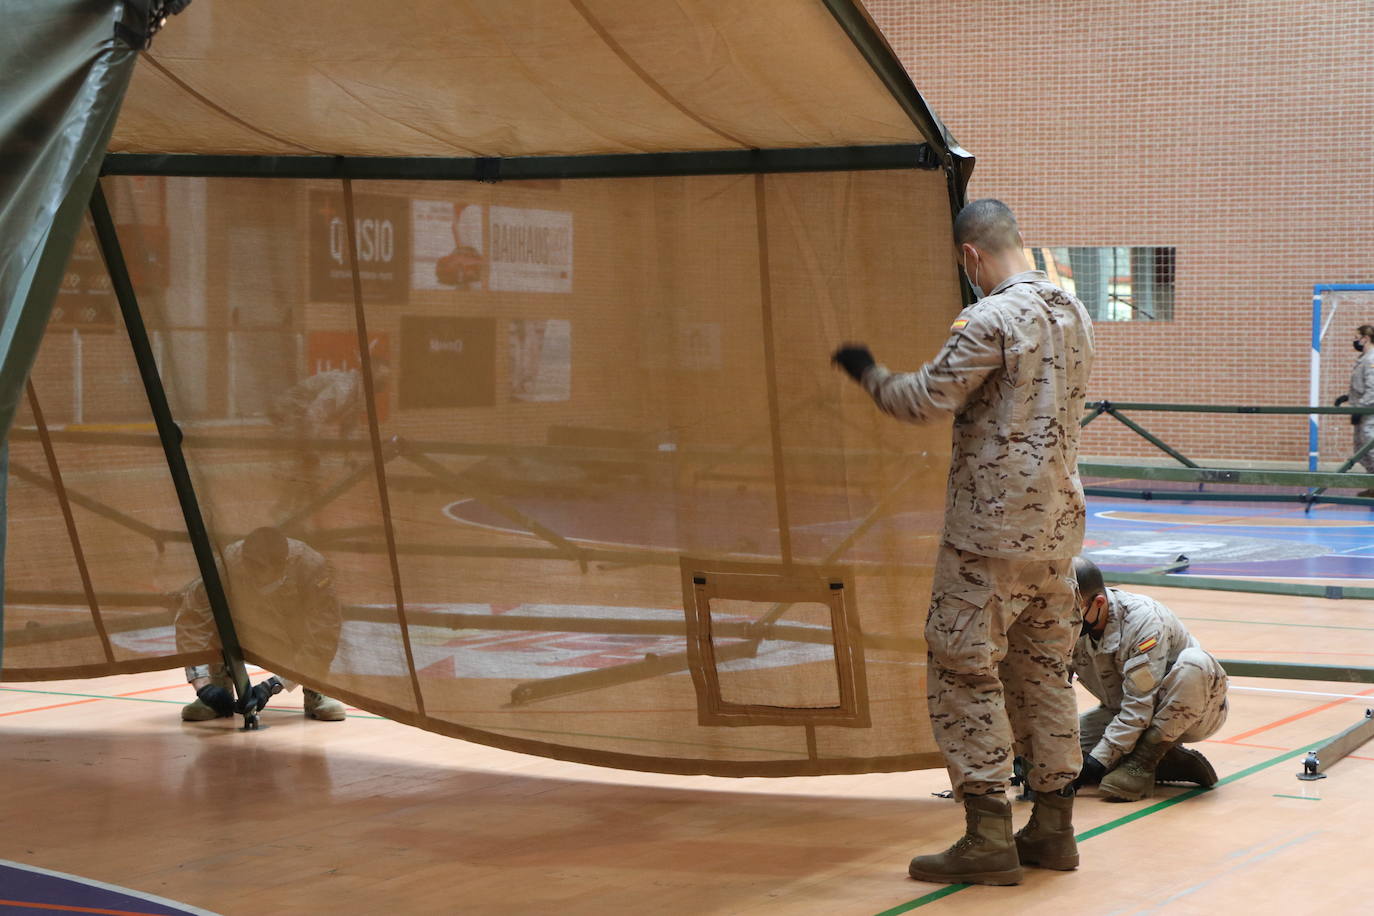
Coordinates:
1014 374
284 593
1361 394
1157 686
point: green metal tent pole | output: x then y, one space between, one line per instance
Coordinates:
170 434
1250 476
1227 408
1149 436
1215 584
1350 463
1298 672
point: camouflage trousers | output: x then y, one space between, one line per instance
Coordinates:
1363 432
1000 632
1190 703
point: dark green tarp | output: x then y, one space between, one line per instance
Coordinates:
66 65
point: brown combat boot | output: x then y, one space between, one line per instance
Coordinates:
1134 777
1047 839
985 854
1184 764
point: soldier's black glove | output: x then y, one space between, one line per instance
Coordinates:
1341 400
1091 774
854 359
217 698
262 692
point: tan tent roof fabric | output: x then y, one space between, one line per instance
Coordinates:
502 78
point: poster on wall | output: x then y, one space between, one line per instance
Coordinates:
85 298
337 351
541 360
531 250
382 228
448 245
447 362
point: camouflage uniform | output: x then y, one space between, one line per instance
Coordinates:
1014 374
1146 670
332 398
1361 394
296 617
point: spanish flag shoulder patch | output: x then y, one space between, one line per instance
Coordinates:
1146 645
959 325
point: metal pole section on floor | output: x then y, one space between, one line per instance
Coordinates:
170 435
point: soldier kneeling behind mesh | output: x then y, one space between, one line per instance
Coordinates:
284 591
1157 686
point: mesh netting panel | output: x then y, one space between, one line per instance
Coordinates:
122 524
579 399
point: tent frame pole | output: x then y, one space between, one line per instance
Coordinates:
524 168
169 433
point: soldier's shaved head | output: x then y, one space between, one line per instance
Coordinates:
988 225
1089 577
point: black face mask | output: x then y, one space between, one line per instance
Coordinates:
1359 345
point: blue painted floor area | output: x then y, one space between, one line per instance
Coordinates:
1252 540
29 891
1232 539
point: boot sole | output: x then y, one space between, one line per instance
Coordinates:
1056 863
997 878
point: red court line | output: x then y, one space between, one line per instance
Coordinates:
29 904
1264 747
20 712
134 693
1272 747
1293 718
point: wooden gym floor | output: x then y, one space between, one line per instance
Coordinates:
102 780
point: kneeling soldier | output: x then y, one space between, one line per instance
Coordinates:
1157 686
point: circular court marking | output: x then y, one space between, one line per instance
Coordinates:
1150 547
29 889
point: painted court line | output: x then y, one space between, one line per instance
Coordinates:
162 903
1293 718
92 697
60 908
1104 828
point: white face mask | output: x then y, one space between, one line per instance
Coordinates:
973 277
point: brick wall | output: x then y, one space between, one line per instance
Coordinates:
1239 133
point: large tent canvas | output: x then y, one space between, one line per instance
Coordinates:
600 496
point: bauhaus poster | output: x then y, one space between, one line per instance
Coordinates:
531 250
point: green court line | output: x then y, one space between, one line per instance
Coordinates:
1110 825
1299 797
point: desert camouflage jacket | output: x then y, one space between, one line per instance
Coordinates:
1014 373
1362 381
1124 668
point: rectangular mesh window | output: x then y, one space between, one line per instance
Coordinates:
774 645
1114 283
